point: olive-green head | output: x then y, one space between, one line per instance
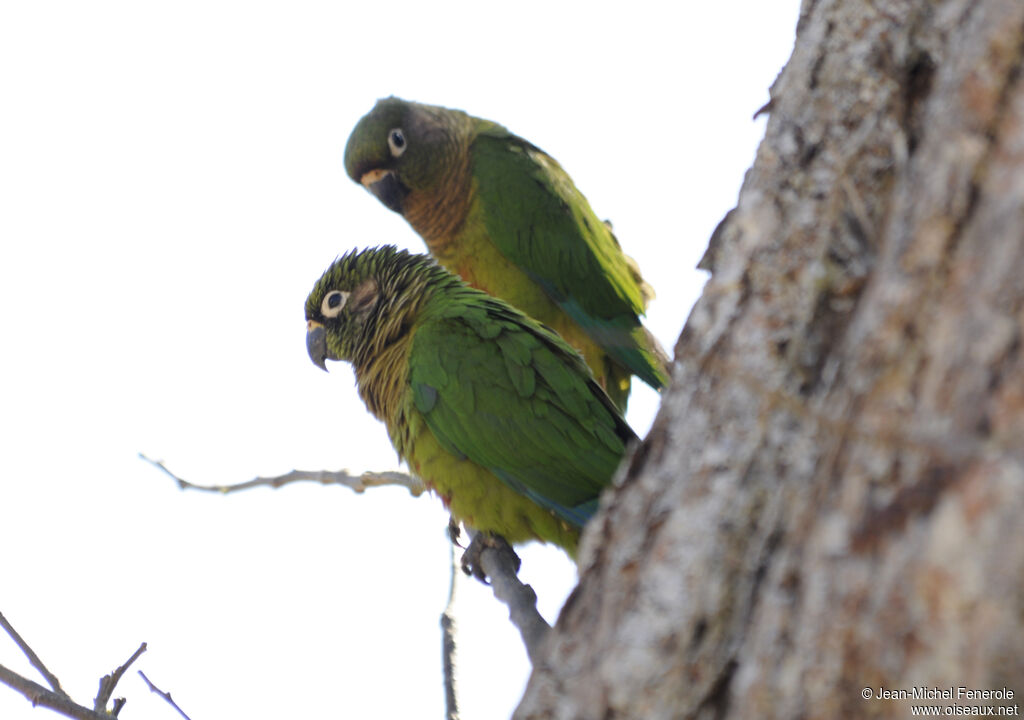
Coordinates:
365 299
401 147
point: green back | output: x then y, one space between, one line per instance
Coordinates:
539 220
501 390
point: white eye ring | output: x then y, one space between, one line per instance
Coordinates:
333 303
396 141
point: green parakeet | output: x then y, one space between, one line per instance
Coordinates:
506 217
497 414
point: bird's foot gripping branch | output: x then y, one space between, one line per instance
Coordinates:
490 559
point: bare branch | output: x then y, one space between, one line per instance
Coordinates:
165 695
357 483
490 556
57 699
40 696
108 682
448 632
32 657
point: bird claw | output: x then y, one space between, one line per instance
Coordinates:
454 531
484 541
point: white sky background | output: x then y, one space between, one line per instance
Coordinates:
171 186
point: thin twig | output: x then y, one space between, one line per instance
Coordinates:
32 657
57 699
109 682
448 633
165 695
40 696
357 483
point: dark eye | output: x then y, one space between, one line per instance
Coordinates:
333 303
396 141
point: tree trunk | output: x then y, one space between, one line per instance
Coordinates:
832 496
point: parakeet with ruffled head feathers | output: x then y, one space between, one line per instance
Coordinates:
496 413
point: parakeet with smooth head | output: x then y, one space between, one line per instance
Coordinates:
497 414
506 217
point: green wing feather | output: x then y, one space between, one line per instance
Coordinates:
543 224
482 376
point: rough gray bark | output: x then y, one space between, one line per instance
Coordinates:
832 496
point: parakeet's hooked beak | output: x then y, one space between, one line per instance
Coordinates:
386 186
316 344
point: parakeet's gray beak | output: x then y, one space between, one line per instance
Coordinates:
387 188
316 344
